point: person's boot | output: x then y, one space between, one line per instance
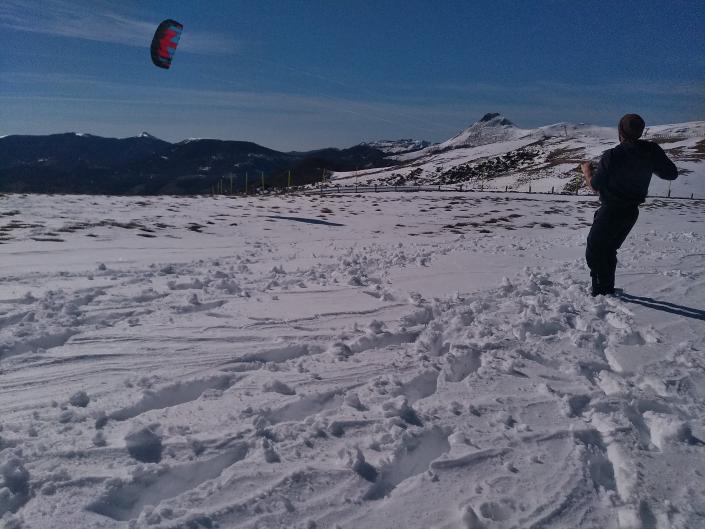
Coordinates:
608 284
596 291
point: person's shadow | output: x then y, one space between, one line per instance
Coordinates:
665 306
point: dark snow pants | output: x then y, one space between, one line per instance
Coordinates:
610 228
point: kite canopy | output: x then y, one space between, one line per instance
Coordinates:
164 43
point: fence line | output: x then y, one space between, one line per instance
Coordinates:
330 190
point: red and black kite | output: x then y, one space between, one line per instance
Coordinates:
164 43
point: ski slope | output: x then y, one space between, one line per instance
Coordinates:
427 360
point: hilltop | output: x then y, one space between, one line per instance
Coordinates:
494 154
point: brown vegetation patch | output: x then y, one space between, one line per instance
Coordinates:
565 155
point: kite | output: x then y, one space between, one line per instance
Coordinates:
164 43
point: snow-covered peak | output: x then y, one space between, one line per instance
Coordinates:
494 119
144 134
491 128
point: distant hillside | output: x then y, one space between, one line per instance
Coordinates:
71 150
82 163
493 153
397 146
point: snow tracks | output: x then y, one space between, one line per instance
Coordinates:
530 405
230 393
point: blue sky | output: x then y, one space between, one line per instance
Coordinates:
306 74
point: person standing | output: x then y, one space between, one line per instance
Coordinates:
622 179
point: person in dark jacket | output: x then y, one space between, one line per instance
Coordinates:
622 179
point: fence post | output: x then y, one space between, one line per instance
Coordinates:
506 188
439 187
691 195
529 189
551 189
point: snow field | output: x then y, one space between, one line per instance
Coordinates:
355 361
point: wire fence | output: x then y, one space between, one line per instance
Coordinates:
339 189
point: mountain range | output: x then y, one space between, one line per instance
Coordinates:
492 152
84 163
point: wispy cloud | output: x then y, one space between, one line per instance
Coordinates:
288 120
99 22
541 103
634 87
76 88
